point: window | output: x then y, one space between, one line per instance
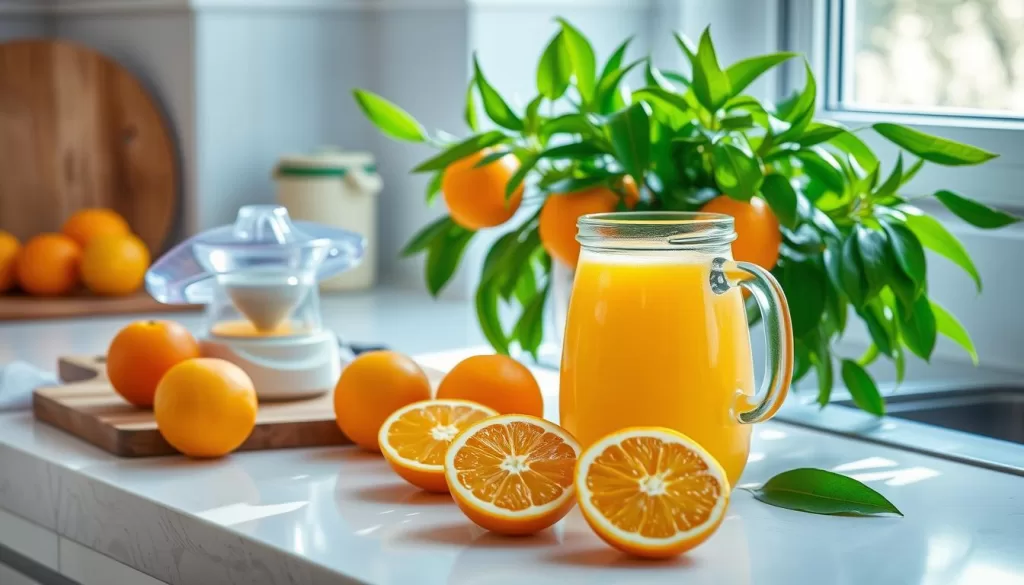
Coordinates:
959 57
953 68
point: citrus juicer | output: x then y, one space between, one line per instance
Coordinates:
258 279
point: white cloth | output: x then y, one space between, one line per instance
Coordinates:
17 381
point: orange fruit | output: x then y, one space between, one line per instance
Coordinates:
205 407
9 247
757 229
86 224
476 196
48 265
560 213
513 474
114 265
415 438
142 353
370 388
496 381
651 492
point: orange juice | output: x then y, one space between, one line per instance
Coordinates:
648 343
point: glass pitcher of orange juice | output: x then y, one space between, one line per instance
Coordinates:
657 333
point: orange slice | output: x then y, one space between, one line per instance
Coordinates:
512 474
415 437
651 492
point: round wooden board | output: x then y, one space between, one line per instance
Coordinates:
77 131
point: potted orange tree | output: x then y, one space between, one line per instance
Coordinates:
811 201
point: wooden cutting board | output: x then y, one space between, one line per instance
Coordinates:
21 307
86 406
76 131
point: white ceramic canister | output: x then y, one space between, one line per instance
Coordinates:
338 189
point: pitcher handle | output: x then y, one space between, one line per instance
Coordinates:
778 330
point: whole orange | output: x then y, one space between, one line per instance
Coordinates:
9 247
476 196
114 265
48 265
142 353
497 381
205 407
86 224
370 388
560 213
757 229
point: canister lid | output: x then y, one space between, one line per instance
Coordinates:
325 163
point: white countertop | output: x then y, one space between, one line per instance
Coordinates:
324 515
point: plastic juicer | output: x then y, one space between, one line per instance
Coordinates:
258 279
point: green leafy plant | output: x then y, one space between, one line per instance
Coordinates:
852 239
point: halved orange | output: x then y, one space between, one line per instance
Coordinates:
513 474
651 492
415 437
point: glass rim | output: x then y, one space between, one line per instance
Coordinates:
656 218
654 230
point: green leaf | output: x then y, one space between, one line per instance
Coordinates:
710 84
494 105
526 285
822 492
573 184
517 179
581 56
389 118
739 121
655 78
912 171
821 165
818 132
470 112
801 112
950 326
900 361
737 173
496 155
443 257
426 236
918 327
824 371
935 236
933 148
803 283
852 273
662 97
573 150
743 73
568 124
893 181
615 61
687 47
434 187
529 329
973 212
608 86
469 146
849 143
532 119
862 388
781 196
554 70
907 249
495 264
487 316
876 328
874 259
629 131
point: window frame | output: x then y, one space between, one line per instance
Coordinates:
814 28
